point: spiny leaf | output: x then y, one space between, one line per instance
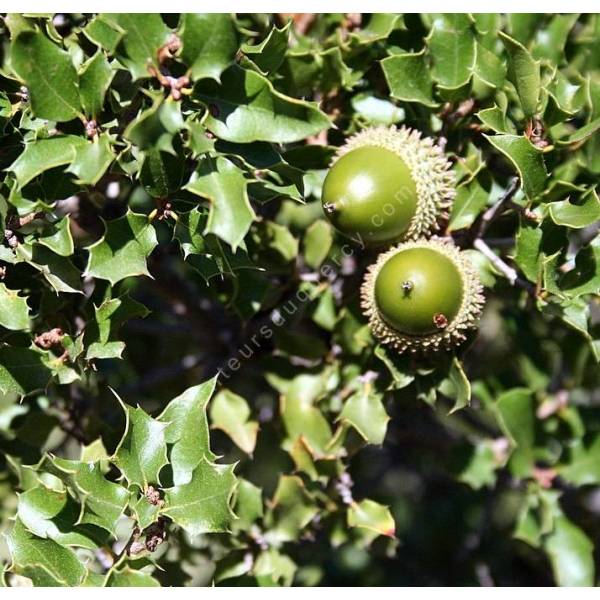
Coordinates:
45 562
49 75
225 187
203 504
14 311
231 413
45 154
209 43
246 107
123 249
142 451
187 430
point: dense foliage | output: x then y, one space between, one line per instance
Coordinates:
189 392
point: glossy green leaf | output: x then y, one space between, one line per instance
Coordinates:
408 78
209 43
451 44
527 160
524 73
269 54
365 412
371 515
123 249
101 333
516 417
142 451
471 198
576 215
231 413
128 577
571 554
245 107
92 160
58 237
49 75
225 187
95 77
45 154
45 562
187 430
14 310
22 370
144 34
203 504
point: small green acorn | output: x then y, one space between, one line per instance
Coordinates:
422 296
387 185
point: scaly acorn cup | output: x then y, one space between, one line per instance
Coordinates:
422 296
386 185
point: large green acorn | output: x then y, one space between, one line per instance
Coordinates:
387 185
422 296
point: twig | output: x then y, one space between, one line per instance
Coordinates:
508 272
491 213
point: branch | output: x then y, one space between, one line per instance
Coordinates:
491 213
506 270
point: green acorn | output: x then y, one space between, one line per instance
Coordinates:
422 296
386 185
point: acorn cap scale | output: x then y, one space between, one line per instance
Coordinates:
422 296
387 185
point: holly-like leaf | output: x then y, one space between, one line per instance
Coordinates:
142 451
225 187
231 413
203 504
245 107
209 43
92 160
49 75
517 419
187 430
45 154
292 508
269 54
571 553
524 73
527 160
101 334
302 418
576 216
317 243
103 501
45 562
54 515
123 249
155 127
58 238
452 47
365 412
408 78
95 77
14 310
373 516
144 34
470 199
583 467
22 371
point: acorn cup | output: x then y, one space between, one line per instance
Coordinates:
422 296
388 185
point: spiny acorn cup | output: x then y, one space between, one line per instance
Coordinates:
386 185
422 296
